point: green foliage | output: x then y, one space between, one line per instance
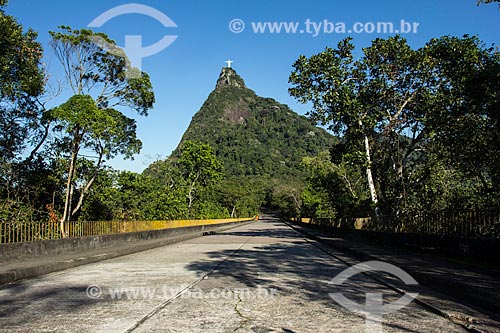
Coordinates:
106 131
91 70
317 203
16 211
287 200
429 119
465 120
166 190
164 193
21 82
209 209
241 196
334 187
199 164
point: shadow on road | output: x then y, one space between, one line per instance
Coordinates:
278 257
43 302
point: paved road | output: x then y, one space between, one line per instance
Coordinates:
262 277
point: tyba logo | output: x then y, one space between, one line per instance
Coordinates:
134 49
374 307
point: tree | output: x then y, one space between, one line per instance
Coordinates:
106 132
241 196
399 92
21 82
200 168
164 191
465 117
287 199
90 70
99 84
335 188
399 101
334 82
361 99
231 193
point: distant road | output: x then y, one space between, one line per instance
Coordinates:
262 277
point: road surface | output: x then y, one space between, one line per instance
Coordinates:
261 277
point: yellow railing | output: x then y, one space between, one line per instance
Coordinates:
36 231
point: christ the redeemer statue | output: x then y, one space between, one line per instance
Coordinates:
229 62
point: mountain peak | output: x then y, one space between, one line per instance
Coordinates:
229 78
254 136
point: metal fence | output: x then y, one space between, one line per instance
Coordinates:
464 224
36 231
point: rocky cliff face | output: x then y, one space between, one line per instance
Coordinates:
229 78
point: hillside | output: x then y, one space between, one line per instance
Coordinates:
261 144
252 135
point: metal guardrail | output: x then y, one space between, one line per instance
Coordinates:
464 224
37 231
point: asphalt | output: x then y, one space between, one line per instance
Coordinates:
259 277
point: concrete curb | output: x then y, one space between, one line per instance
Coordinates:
21 273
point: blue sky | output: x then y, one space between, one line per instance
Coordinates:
186 72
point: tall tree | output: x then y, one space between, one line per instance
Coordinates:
399 100
333 81
366 98
398 92
465 118
21 82
105 132
99 83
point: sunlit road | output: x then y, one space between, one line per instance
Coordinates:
262 277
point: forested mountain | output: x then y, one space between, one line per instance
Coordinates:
252 135
261 144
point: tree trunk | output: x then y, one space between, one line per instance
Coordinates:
82 194
88 185
69 184
191 191
369 175
40 144
68 194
